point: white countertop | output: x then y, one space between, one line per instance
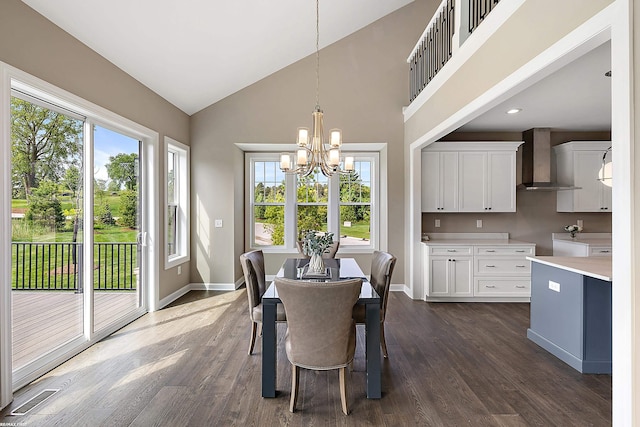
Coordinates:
469 242
468 239
594 239
596 267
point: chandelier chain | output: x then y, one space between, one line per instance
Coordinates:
317 54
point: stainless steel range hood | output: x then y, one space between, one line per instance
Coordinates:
536 162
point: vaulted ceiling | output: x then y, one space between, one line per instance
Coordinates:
195 52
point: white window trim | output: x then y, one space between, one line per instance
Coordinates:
183 188
376 151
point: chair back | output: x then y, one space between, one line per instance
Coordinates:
320 328
330 253
382 264
253 269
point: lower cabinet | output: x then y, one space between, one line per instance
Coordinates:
450 276
477 272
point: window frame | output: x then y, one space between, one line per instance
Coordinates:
378 184
182 188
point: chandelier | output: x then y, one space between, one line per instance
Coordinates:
311 153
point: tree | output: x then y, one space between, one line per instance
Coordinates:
129 208
72 179
122 168
43 142
44 207
102 213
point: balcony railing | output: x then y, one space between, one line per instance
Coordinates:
449 27
58 266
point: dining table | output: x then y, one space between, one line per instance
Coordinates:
336 269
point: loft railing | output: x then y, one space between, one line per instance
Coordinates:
449 27
58 266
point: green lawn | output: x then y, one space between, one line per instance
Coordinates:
358 229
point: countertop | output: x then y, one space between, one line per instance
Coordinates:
593 239
469 242
596 267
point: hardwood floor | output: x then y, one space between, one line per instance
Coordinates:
449 364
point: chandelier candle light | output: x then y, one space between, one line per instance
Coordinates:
312 153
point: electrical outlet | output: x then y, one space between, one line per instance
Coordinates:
179 270
437 223
478 223
218 223
580 223
554 286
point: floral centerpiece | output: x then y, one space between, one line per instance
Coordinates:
314 244
572 230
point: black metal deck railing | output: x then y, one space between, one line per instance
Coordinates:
437 44
58 266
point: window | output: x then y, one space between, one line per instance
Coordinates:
281 206
177 199
268 196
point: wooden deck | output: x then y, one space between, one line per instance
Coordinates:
44 320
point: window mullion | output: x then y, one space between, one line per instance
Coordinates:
333 206
290 211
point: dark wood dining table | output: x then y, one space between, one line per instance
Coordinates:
339 268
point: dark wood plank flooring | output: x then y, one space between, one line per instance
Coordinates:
449 364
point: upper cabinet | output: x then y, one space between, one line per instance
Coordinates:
469 177
578 163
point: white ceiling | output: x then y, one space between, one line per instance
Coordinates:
576 97
195 52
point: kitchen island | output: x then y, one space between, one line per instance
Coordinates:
571 310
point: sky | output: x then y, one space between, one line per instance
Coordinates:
108 143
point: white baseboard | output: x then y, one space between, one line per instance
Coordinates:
173 296
199 287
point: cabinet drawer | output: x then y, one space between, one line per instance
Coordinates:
450 250
502 266
502 287
505 250
599 250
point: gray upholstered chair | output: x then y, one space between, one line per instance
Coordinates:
253 268
320 329
330 253
382 264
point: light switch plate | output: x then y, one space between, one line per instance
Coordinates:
437 223
478 223
218 223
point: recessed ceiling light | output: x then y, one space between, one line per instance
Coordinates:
514 111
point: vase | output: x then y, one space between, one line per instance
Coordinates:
316 264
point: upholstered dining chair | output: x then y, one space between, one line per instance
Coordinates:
320 328
330 253
382 264
253 268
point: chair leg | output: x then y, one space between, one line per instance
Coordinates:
343 390
295 374
383 343
254 327
259 329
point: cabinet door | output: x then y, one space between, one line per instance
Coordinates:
589 198
501 189
438 277
439 181
461 278
430 181
472 170
449 182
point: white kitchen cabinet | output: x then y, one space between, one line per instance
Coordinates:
586 244
439 181
578 163
469 177
450 275
477 271
487 181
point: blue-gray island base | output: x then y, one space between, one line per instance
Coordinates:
571 317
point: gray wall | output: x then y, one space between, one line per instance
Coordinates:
535 217
364 85
31 43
